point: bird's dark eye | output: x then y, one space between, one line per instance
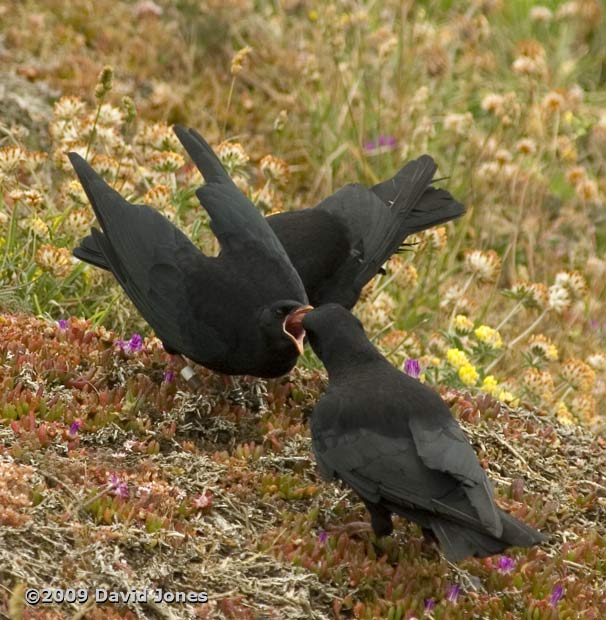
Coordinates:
279 312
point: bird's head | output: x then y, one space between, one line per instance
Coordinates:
337 336
284 320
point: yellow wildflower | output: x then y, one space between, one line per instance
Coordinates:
563 414
507 397
462 324
542 346
457 358
489 336
468 374
490 385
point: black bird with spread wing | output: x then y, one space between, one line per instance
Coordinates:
341 244
239 313
394 441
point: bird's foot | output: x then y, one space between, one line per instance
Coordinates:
470 582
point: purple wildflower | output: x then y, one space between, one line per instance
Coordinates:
119 488
169 376
135 343
323 536
387 141
129 346
383 141
453 593
74 427
412 368
557 594
506 564
62 323
430 603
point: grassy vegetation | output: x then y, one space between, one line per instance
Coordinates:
110 471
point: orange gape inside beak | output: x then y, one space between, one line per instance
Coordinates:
293 326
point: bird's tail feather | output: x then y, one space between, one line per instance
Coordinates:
434 207
89 252
460 541
412 206
202 155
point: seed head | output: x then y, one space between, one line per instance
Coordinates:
553 102
78 221
232 156
597 361
583 406
110 116
526 146
462 325
542 347
239 59
574 282
587 190
10 158
405 273
158 196
575 175
578 374
29 197
56 260
484 264
129 109
540 14
68 108
274 169
37 225
493 103
166 161
105 82
559 298
539 383
459 124
436 237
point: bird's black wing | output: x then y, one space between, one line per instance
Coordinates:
238 225
389 466
317 243
153 261
375 222
443 447
378 467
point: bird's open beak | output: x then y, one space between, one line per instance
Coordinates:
293 326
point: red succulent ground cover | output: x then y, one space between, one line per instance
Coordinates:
113 475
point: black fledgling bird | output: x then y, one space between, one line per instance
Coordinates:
341 244
239 313
394 441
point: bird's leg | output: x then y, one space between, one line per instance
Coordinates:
190 376
354 528
430 543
